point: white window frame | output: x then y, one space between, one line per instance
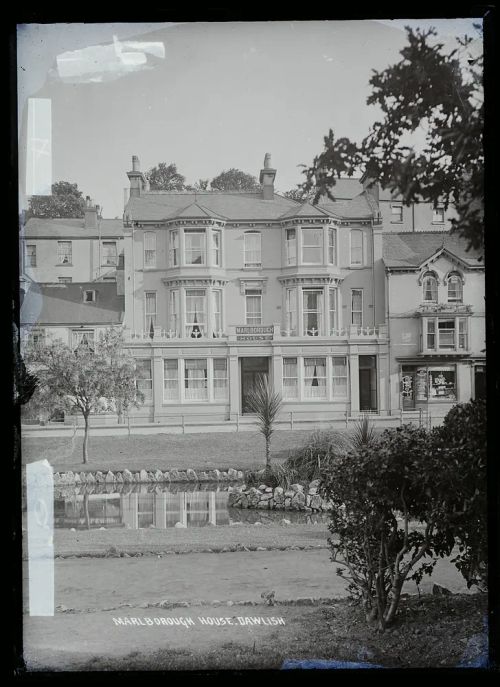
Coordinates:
438 215
340 396
78 334
65 256
355 262
430 328
202 325
149 250
360 311
64 280
203 253
92 298
291 246
173 393
217 326
460 297
145 384
174 311
249 253
320 247
332 245
320 310
251 319
399 208
317 397
218 397
216 240
150 316
291 313
430 275
294 378
333 294
173 247
107 261
203 397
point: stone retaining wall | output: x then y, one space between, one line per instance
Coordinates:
146 477
295 498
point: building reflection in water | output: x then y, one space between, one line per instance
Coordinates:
140 510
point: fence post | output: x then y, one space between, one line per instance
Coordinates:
291 419
347 418
128 425
237 422
183 429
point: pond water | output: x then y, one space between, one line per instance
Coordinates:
145 506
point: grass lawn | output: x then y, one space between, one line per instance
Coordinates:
239 450
429 632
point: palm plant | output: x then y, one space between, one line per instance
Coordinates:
266 404
363 434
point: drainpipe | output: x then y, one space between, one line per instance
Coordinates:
387 317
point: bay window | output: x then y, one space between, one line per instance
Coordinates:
252 249
312 245
217 311
196 313
171 379
253 306
312 312
332 310
339 377
174 311
220 379
315 378
149 249
173 248
291 246
290 379
445 333
332 246
216 247
196 380
194 247
291 311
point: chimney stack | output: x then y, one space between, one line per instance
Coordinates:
90 214
137 178
267 175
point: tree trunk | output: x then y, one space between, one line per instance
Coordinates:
268 453
86 438
396 595
86 509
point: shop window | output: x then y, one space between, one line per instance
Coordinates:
442 384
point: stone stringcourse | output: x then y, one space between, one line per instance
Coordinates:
297 497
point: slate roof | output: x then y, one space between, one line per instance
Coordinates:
238 206
411 249
67 228
51 304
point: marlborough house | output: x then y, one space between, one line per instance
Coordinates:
349 306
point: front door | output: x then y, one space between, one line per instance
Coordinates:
251 368
367 382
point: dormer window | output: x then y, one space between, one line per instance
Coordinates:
89 296
430 288
455 288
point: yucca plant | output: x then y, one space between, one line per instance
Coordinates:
266 404
363 434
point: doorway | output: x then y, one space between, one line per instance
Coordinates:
251 368
480 382
368 382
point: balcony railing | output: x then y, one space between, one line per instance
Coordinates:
444 308
255 333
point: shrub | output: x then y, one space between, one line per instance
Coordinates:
310 461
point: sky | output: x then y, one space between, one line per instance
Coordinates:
207 96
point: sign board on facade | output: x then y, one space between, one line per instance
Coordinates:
249 333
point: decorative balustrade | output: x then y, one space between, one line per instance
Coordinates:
256 333
444 308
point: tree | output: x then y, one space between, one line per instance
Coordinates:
66 201
376 492
300 194
266 404
234 180
462 437
165 177
80 379
429 93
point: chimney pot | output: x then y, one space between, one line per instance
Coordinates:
136 165
267 161
266 178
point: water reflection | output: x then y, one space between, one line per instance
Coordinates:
158 506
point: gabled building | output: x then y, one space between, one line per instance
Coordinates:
436 321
